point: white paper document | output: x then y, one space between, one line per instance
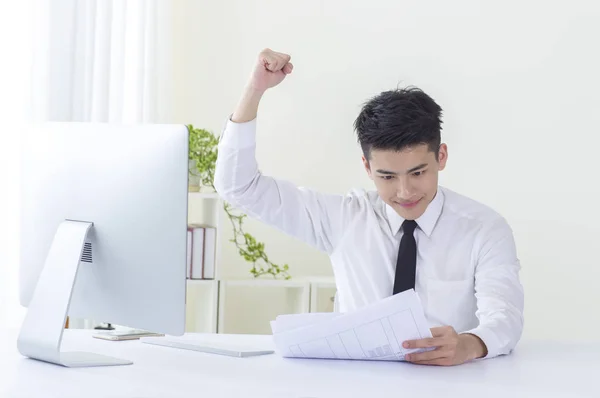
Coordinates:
294 321
374 332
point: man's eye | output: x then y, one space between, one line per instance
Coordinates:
418 173
387 177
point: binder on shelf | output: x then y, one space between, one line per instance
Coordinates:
189 254
197 251
208 267
201 251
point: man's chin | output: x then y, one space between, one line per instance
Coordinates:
410 212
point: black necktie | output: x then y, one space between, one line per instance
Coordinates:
406 265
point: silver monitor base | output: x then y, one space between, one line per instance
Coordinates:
42 330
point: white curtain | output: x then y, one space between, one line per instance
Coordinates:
103 61
15 42
87 60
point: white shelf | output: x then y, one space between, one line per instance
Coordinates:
204 195
293 282
266 282
324 281
201 281
202 299
248 306
203 294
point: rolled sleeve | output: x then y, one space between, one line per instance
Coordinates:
238 135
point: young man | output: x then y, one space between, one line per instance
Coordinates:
457 254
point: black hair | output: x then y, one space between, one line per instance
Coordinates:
398 119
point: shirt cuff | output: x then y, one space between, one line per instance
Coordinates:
490 340
239 135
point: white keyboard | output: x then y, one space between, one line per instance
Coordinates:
208 347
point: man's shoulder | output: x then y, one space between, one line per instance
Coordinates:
465 207
362 196
360 200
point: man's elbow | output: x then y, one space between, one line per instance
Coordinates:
220 185
511 329
224 190
227 186
501 329
223 182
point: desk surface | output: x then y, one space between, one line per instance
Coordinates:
535 369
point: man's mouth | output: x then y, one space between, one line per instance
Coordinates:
408 205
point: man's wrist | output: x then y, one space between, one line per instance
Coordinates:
251 91
247 108
476 348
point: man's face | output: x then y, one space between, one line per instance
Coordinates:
406 180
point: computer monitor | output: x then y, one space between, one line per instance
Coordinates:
103 232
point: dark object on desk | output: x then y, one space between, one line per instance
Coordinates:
107 327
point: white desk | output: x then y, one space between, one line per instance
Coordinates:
534 370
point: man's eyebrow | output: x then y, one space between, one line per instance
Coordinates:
412 170
419 167
380 171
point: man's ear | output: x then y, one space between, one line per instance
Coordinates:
367 166
442 156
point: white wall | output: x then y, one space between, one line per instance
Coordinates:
519 84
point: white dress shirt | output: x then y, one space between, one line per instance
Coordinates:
467 272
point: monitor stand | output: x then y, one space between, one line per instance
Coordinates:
42 330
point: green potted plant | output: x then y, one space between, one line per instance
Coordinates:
202 157
203 150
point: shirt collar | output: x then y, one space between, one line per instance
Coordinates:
427 220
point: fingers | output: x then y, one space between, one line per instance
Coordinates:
287 69
285 58
274 61
437 362
426 356
424 343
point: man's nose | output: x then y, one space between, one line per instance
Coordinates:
404 189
